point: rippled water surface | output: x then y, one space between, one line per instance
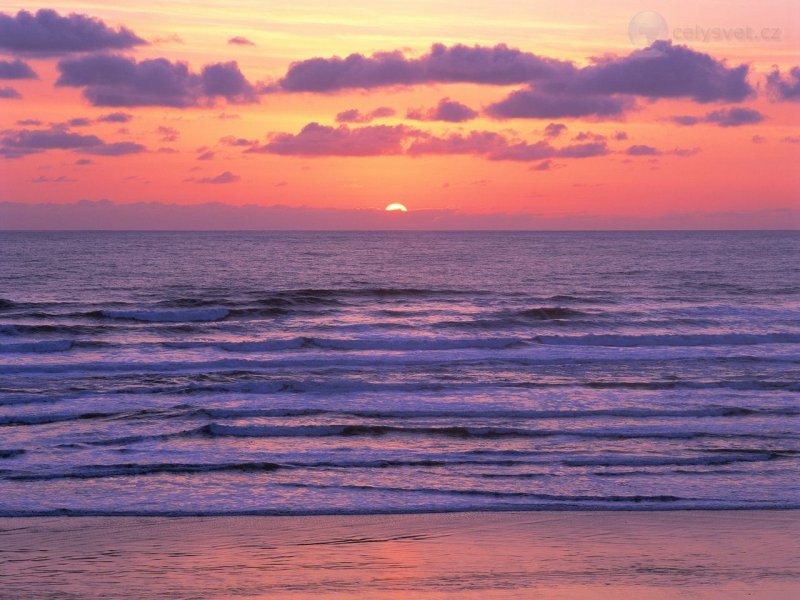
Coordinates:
293 373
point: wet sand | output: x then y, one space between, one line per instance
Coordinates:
565 555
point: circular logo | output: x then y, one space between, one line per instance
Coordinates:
647 27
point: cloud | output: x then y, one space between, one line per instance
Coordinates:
553 130
230 140
168 134
79 122
725 117
784 89
609 87
495 146
475 142
642 150
222 178
446 110
531 104
111 80
31 141
59 179
240 41
664 70
353 115
226 80
115 117
545 165
207 155
321 140
16 69
22 142
645 150
114 149
46 33
496 65
82 162
554 88
9 93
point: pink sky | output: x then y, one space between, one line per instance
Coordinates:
484 114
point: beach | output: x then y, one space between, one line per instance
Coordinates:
549 555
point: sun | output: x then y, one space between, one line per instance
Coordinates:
397 206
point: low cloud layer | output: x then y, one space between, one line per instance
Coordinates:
100 215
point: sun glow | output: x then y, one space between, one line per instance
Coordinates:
397 206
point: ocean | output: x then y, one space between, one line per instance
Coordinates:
371 372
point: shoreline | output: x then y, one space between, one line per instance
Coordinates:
89 514
504 555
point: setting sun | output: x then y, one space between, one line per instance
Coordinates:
396 206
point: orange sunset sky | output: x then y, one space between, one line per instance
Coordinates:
531 110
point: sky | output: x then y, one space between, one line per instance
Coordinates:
314 114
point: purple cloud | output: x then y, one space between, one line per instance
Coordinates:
642 150
645 150
16 69
230 140
531 104
9 93
586 150
476 142
114 149
447 110
545 165
320 140
46 33
82 162
222 178
784 89
22 142
79 122
227 81
59 179
168 134
724 117
664 70
553 130
240 41
353 115
56 138
497 65
110 80
115 117
207 155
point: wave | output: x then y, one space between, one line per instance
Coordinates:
635 498
357 344
548 313
20 329
127 470
11 452
37 347
465 432
664 461
725 339
168 316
